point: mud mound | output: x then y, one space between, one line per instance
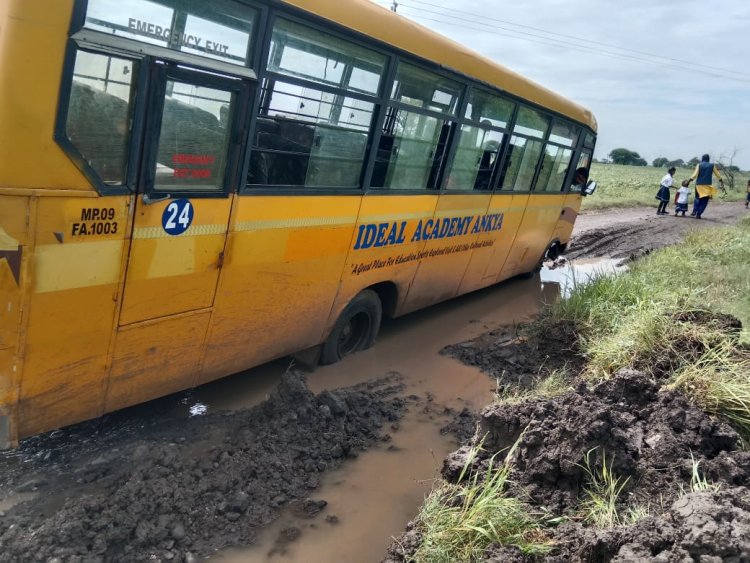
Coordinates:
175 500
518 357
648 434
704 526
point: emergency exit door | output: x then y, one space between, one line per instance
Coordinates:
182 209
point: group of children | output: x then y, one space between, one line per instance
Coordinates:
682 196
680 199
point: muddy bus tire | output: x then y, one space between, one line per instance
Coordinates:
356 328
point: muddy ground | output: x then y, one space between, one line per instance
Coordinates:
145 485
634 232
176 490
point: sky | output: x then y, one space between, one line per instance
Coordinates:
663 77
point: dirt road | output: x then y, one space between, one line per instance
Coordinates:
625 233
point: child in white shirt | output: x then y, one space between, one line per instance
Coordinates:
681 198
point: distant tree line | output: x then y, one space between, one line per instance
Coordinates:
632 158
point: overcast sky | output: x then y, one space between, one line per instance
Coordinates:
697 100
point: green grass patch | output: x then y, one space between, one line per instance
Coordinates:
601 494
555 383
661 317
459 521
629 186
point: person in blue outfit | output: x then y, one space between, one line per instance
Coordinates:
663 194
703 175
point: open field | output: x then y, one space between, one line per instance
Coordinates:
627 186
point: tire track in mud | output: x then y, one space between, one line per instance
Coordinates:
631 233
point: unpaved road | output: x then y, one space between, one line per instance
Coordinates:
625 233
132 487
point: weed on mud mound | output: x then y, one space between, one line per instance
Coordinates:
177 499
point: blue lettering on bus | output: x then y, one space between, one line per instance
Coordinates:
377 235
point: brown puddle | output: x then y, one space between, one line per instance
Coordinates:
374 496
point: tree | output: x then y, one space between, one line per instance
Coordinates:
679 163
727 166
660 162
625 156
693 161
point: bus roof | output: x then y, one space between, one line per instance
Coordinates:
384 25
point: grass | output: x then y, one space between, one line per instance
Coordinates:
638 320
698 481
555 383
600 503
628 186
459 521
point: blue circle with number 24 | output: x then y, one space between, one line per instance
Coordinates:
177 216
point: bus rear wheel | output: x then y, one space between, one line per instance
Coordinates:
356 328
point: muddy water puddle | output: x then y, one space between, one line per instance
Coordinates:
372 498
571 274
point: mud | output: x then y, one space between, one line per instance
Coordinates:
517 357
649 436
193 486
632 233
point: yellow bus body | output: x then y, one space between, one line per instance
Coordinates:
93 323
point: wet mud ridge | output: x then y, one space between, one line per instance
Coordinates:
194 486
633 233
683 473
518 358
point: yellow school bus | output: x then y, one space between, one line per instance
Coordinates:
190 188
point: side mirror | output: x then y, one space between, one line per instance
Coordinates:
590 188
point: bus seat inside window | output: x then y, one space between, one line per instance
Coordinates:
309 138
99 113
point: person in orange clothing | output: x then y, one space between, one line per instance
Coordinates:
705 170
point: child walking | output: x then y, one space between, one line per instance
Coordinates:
681 198
663 194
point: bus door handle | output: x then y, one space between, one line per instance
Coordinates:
148 200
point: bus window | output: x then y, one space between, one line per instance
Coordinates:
220 29
520 164
313 131
557 156
307 137
479 143
524 150
193 139
303 52
99 113
416 129
554 168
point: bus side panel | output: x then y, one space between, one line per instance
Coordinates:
32 48
391 257
534 234
439 277
281 273
488 259
14 251
565 223
155 358
75 282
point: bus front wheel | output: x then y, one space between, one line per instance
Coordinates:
355 329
